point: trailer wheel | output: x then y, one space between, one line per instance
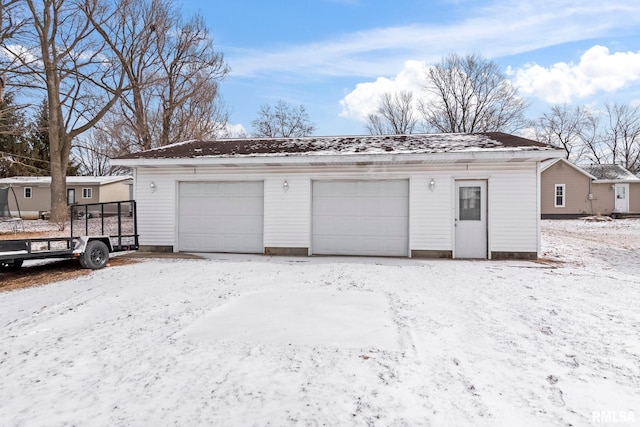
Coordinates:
95 256
11 265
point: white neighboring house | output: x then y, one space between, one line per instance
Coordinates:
33 193
420 195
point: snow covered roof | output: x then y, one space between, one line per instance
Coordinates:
343 145
71 180
611 173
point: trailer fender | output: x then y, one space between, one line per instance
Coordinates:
83 241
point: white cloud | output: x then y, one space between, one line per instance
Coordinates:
501 28
235 130
598 71
363 100
15 50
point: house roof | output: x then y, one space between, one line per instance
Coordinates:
548 163
71 180
369 146
611 173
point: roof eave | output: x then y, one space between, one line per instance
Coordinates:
616 181
504 155
46 181
567 162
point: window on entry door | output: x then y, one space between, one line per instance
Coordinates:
470 206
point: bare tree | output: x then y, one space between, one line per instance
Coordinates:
622 135
11 21
471 94
193 70
594 147
92 153
61 53
174 74
394 115
283 120
564 127
138 24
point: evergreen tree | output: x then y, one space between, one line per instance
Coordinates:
39 140
14 151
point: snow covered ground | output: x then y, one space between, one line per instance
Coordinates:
252 340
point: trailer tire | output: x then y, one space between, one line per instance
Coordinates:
11 265
95 256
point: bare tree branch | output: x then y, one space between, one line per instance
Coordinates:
471 94
173 73
282 121
394 115
622 135
564 127
81 80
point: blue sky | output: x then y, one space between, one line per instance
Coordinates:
337 56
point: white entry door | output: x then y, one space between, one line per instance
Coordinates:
471 219
622 198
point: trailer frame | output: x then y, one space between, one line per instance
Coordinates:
92 250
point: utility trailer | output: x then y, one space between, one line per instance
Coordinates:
96 230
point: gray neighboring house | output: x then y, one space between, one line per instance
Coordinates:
33 193
618 189
419 195
571 191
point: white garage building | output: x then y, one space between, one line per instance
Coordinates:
420 195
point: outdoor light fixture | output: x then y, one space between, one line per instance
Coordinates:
153 187
432 184
285 186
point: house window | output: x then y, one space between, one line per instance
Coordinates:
559 196
28 192
87 193
71 196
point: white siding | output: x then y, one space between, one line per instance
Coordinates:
513 206
156 210
431 219
512 197
287 214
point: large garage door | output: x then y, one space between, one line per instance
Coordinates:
361 218
221 217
